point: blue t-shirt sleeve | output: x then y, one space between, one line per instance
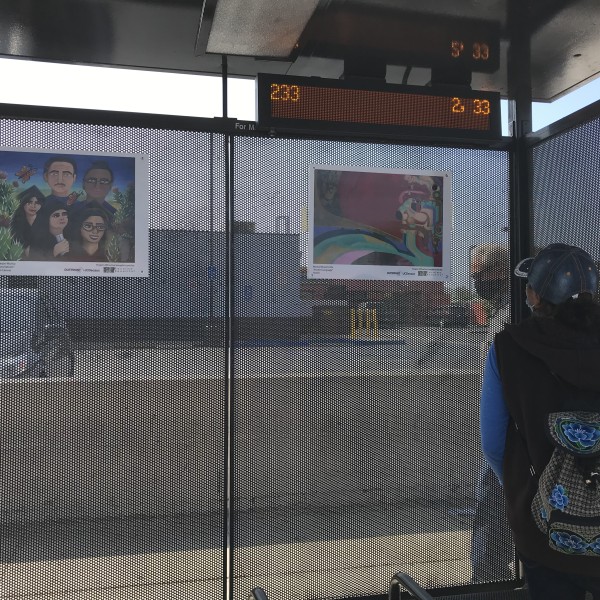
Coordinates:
494 415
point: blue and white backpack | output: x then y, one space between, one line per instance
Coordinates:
566 506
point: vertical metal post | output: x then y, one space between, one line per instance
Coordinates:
229 412
211 274
224 76
520 115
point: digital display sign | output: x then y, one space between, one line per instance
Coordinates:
314 104
397 37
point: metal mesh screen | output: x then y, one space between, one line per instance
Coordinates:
355 454
565 184
112 481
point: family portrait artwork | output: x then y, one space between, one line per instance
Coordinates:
71 214
379 224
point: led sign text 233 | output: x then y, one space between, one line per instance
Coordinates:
285 93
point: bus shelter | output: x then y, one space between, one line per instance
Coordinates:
278 354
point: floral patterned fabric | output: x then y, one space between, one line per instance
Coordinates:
567 504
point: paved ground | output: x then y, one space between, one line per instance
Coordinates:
181 558
419 349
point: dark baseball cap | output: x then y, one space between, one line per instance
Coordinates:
559 272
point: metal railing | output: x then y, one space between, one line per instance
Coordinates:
402 580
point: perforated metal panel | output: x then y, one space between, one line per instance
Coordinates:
565 189
112 481
356 454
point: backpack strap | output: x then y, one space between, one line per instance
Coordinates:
524 441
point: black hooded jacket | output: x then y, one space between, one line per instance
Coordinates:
535 359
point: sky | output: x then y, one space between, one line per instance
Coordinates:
133 90
129 90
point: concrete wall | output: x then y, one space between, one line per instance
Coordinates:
101 449
74 449
328 441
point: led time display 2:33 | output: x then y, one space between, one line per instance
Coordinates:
338 105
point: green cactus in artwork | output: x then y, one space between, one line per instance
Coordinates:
126 201
113 252
9 249
121 246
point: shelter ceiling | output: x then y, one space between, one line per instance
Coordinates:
286 36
